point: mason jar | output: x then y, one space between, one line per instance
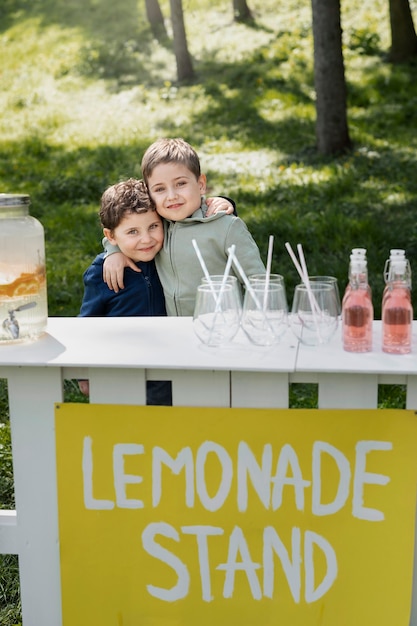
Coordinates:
23 295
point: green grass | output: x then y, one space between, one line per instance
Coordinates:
85 89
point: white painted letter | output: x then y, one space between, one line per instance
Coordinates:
287 458
202 532
272 543
89 501
216 502
180 590
260 476
237 543
363 477
184 459
342 493
313 594
121 479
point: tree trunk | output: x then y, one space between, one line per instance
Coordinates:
241 11
329 79
185 69
155 18
403 34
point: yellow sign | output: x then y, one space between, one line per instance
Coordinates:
173 516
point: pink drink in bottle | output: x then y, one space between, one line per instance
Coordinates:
397 310
357 308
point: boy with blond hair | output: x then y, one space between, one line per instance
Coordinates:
172 173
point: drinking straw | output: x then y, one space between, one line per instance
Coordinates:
268 268
223 284
303 272
251 291
230 258
204 268
218 298
203 265
231 252
245 280
312 299
303 276
295 261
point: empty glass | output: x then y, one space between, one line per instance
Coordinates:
332 280
314 323
216 313
264 315
230 280
273 278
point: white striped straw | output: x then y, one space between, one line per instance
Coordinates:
313 301
268 268
300 271
303 272
203 265
251 291
231 252
295 261
245 280
204 268
218 308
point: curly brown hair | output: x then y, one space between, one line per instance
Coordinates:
128 196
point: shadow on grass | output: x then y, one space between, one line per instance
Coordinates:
348 206
328 217
117 34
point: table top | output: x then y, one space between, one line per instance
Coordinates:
170 343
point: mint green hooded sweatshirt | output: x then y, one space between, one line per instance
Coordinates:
178 267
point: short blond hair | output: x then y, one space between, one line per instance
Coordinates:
166 150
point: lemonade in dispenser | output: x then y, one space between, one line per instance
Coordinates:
23 295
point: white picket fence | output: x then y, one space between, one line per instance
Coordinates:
118 355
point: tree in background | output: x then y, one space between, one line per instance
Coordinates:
403 34
185 70
329 79
241 11
155 19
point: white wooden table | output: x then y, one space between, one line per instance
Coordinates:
118 355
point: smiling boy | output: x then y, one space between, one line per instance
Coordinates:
171 171
129 221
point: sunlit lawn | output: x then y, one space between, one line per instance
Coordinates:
84 89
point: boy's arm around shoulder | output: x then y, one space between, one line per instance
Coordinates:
114 266
220 203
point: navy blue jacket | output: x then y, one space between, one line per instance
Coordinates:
141 296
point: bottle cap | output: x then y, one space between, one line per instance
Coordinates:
396 253
14 199
399 265
357 263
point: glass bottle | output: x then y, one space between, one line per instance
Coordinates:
23 295
395 255
359 253
397 310
357 308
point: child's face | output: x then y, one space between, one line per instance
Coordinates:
175 190
139 236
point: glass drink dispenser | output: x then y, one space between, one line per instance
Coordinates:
23 295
